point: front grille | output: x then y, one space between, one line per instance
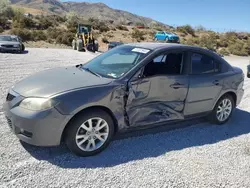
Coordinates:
7 46
10 97
9 122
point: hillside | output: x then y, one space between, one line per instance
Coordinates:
88 10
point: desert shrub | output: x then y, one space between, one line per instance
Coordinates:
208 41
101 26
20 21
109 35
187 29
191 41
65 38
1 29
222 42
158 29
25 34
200 28
231 37
5 9
224 51
242 36
53 33
248 46
72 21
38 35
121 27
138 35
44 22
105 40
239 48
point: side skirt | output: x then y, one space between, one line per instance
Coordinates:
161 127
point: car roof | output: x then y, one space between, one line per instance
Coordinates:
158 45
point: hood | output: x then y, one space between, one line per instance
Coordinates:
9 42
57 80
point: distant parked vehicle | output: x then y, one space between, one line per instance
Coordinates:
114 44
167 36
11 43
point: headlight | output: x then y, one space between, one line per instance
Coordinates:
16 45
37 104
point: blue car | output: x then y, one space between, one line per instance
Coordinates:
167 36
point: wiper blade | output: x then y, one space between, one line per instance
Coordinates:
87 69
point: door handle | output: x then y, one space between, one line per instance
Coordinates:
216 82
177 85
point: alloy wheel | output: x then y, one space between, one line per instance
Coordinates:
92 134
224 110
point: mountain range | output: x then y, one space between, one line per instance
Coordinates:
87 10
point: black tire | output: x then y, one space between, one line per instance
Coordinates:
213 115
74 125
23 48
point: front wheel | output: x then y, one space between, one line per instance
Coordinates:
90 133
22 48
222 110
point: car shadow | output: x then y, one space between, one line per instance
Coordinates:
151 145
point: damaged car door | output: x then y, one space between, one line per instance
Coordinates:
157 93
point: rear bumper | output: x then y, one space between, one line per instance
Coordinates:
240 94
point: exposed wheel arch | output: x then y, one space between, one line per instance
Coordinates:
231 93
107 110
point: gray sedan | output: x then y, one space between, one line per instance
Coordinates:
133 86
11 43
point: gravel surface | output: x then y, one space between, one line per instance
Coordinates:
202 155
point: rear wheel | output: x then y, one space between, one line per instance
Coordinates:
222 110
90 134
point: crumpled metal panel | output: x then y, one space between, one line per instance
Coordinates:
144 106
155 113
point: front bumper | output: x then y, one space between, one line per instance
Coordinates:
12 49
36 128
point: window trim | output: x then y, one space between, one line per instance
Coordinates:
204 54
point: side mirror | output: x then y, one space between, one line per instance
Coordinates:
138 75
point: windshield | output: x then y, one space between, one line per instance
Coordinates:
8 38
116 62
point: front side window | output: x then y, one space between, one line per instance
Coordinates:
203 64
116 62
165 64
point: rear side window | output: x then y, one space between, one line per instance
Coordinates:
203 64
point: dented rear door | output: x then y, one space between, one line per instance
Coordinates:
156 99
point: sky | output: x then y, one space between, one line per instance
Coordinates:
217 15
